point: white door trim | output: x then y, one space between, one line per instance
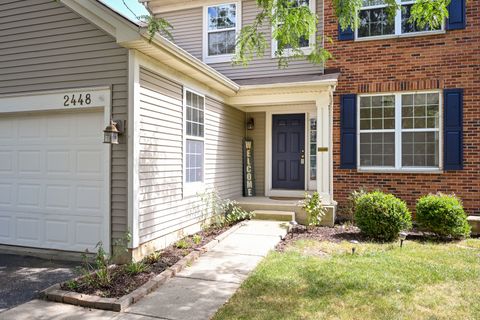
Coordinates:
269 191
53 100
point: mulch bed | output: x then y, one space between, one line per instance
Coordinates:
336 234
122 283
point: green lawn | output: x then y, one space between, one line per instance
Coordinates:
418 281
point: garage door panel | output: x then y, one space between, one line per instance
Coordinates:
52 181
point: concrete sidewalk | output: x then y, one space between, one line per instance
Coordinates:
195 293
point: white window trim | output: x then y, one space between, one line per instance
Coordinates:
193 188
398 134
311 41
398 26
238 27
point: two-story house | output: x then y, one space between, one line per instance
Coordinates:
405 110
395 110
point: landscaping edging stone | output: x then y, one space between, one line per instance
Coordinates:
56 294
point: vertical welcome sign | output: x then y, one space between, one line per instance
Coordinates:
248 172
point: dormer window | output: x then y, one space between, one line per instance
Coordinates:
221 26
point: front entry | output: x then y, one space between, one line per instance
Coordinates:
288 151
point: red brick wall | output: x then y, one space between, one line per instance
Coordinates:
450 60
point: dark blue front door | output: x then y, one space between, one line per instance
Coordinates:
288 151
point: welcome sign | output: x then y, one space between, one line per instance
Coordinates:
248 172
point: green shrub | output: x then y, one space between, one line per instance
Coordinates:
443 215
382 216
134 268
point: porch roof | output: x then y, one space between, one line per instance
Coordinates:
285 80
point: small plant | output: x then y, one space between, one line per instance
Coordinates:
72 285
223 212
153 257
352 200
197 239
382 216
443 215
235 213
134 268
182 244
312 204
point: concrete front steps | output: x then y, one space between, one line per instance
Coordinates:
274 215
282 210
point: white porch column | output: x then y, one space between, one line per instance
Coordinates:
325 147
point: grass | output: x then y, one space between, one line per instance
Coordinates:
323 280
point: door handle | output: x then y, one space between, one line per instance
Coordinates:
302 158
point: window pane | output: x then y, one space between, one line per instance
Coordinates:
375 22
420 111
420 149
222 17
377 113
407 26
194 161
221 43
195 120
377 149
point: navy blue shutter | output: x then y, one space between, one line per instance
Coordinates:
348 131
457 17
345 35
453 129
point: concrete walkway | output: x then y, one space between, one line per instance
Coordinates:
195 293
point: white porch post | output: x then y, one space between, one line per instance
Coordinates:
324 147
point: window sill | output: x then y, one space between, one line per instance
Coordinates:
192 189
404 171
219 58
289 53
401 36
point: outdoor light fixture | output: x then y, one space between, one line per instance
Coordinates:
403 237
354 242
294 226
111 132
251 124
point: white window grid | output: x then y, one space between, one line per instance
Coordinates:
238 16
398 134
397 22
191 188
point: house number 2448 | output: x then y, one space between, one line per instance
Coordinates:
74 100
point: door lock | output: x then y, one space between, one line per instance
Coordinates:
302 158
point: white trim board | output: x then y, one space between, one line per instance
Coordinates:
54 100
133 147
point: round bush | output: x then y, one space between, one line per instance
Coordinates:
382 216
443 215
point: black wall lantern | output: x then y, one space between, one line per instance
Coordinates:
111 132
250 124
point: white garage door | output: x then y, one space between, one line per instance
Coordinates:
52 181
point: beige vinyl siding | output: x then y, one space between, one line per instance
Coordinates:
163 209
188 34
258 137
45 46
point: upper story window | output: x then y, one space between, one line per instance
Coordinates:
400 131
221 26
194 141
374 20
304 43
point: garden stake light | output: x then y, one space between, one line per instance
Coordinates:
294 225
354 242
403 236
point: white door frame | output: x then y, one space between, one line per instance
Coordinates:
269 191
53 100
